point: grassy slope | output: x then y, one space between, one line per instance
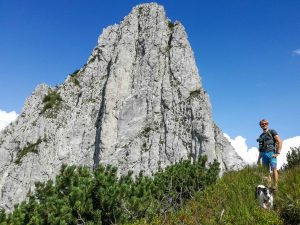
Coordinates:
233 195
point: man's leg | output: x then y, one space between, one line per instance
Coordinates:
270 179
275 175
267 163
275 172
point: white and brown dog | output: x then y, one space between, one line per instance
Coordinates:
264 196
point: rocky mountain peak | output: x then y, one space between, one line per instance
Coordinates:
138 104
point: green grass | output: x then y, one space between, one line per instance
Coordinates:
231 201
288 199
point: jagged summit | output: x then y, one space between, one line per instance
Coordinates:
137 104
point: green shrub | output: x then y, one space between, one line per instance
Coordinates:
293 158
74 77
194 94
2 215
51 103
82 196
171 25
75 73
75 81
179 182
181 194
93 59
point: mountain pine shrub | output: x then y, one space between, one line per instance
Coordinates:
293 158
82 196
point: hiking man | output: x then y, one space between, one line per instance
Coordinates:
269 149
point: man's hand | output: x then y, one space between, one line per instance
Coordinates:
275 155
258 162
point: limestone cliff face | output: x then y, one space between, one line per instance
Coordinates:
137 104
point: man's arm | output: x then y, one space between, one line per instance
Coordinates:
259 157
279 144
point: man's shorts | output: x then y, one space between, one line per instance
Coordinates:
268 160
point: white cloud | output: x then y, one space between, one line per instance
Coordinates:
6 118
250 155
239 144
296 52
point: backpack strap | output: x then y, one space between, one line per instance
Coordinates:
270 133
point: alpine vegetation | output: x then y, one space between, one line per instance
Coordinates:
82 196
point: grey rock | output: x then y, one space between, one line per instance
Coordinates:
137 104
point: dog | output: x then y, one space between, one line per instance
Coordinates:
264 196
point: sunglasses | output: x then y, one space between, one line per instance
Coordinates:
264 124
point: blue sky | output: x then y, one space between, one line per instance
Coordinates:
247 53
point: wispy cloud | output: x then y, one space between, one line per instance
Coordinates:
6 118
296 52
250 155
